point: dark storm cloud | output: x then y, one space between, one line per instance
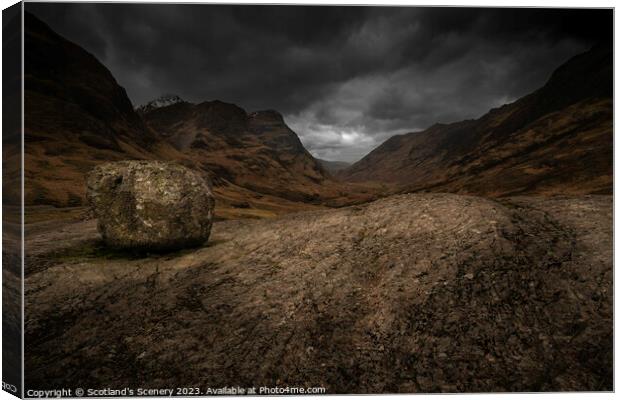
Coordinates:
346 78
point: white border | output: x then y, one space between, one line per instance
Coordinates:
462 3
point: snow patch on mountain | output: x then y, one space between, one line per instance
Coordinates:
160 102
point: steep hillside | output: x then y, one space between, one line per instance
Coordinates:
555 140
76 117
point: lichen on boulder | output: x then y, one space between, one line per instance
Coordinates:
150 205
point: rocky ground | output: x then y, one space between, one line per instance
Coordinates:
411 293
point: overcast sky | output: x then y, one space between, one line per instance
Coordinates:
345 78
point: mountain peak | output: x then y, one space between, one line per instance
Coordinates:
164 100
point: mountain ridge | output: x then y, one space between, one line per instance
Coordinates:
257 150
517 148
77 116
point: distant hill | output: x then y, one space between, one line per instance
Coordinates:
333 166
557 140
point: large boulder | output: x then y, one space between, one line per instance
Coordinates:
150 205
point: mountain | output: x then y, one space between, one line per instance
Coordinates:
256 151
556 140
78 116
333 166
